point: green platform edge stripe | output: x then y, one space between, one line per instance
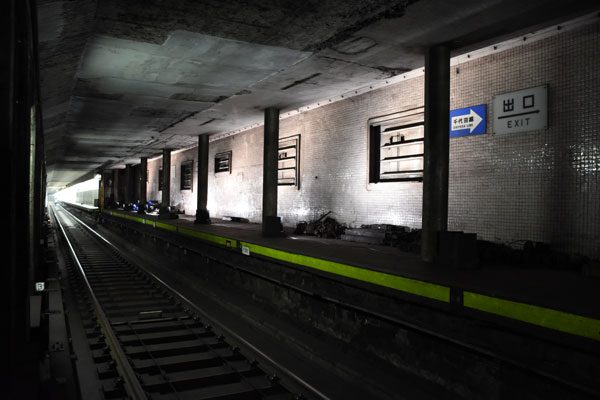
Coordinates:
209 237
165 226
536 315
413 286
225 241
134 218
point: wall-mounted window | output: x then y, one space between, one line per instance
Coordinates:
288 165
396 147
160 179
223 162
187 173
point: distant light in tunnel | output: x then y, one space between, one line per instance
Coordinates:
74 194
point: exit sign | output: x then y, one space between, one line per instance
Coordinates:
521 111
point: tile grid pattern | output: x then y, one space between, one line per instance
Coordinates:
540 185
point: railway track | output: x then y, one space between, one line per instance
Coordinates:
150 342
571 388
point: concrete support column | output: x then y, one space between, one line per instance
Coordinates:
143 184
271 223
101 190
436 157
128 185
166 189
202 214
115 186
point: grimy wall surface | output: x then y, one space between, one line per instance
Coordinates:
539 185
184 200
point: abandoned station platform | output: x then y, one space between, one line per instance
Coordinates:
554 299
320 200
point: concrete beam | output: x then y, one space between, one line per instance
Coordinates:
437 142
202 214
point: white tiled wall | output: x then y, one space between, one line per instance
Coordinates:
540 186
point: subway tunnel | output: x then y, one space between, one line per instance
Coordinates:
302 200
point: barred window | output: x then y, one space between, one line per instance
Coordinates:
223 162
187 173
396 147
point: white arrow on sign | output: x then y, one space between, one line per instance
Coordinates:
470 121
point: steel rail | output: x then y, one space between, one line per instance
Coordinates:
131 383
314 391
475 349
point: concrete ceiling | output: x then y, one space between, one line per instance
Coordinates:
124 79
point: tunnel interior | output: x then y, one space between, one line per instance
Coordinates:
357 199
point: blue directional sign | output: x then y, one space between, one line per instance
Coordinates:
468 121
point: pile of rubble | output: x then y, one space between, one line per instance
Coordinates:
381 234
385 234
324 227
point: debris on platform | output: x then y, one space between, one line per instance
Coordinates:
386 234
365 235
329 228
324 226
591 268
152 207
301 228
235 219
530 254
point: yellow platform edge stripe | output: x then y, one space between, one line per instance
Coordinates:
413 286
545 317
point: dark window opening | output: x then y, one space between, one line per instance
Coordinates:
396 147
288 162
223 162
187 173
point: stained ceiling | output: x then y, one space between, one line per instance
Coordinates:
124 79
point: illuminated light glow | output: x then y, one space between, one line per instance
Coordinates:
75 194
301 212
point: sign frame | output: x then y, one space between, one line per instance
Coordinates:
522 110
475 122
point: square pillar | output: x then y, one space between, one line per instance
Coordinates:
202 214
115 186
128 186
271 223
166 189
101 190
143 184
437 154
